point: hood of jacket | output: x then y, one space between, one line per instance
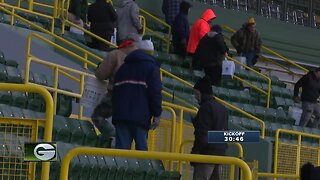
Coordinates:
208 15
125 2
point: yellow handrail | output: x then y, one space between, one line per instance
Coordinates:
167 39
30 12
276 149
86 53
179 99
49 114
261 122
268 93
58 68
272 52
152 155
188 141
84 60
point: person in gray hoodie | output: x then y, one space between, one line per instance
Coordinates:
128 19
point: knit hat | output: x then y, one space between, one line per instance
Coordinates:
146 45
251 20
185 6
204 86
217 28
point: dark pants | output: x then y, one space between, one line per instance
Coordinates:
126 133
206 171
251 58
215 74
97 44
101 113
180 49
308 109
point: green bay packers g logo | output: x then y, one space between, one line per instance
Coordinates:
45 152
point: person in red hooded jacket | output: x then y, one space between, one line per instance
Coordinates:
200 28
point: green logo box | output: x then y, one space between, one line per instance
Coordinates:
40 151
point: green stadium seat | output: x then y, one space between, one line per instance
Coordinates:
112 167
3 73
281 116
19 99
234 95
77 135
61 131
244 96
64 105
289 102
260 112
249 108
270 114
2 58
280 102
17 112
6 111
31 77
86 167
5 97
12 63
36 105
29 114
246 123
122 166
40 79
287 93
75 167
101 167
90 138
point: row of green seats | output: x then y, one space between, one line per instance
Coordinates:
87 167
266 114
80 132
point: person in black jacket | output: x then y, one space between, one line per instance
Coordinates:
310 84
103 20
78 10
309 172
212 116
210 54
180 30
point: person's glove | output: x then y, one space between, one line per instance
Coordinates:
296 99
155 123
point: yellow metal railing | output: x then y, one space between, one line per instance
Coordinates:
15 8
261 122
152 155
174 98
86 53
55 89
84 59
232 168
267 93
48 123
298 152
274 53
165 39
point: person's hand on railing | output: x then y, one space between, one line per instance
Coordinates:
296 99
155 123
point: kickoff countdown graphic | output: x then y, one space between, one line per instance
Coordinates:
233 136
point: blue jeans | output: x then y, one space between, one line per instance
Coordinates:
126 133
249 56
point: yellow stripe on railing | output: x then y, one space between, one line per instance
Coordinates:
48 117
261 122
272 52
152 155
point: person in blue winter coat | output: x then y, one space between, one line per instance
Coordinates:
137 98
180 30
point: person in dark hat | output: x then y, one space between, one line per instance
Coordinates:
212 116
180 30
210 54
